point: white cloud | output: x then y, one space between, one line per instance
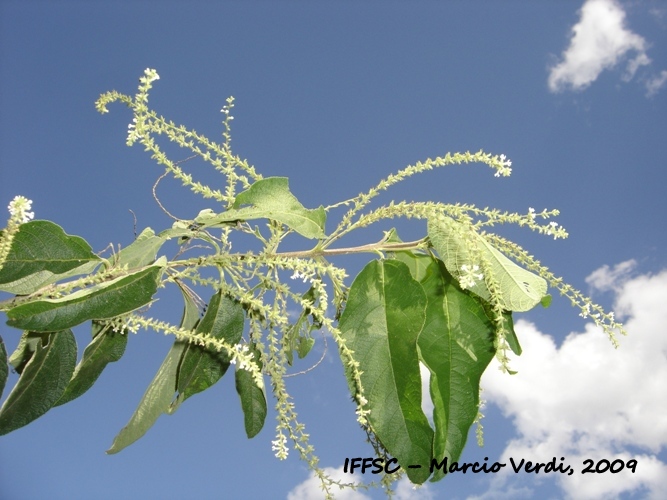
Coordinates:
605 279
655 83
585 399
599 41
405 490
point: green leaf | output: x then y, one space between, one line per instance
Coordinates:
25 350
304 346
42 382
297 336
107 347
190 316
253 398
200 368
142 251
546 301
456 345
4 367
271 198
113 298
511 337
41 254
383 317
155 401
520 289
160 393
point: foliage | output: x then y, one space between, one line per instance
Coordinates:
444 301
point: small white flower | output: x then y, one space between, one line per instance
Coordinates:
531 212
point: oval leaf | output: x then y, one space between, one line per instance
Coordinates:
271 198
253 398
160 393
107 300
155 401
42 382
142 251
456 345
41 251
107 347
383 317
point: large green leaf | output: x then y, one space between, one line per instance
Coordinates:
107 347
4 367
271 198
42 381
160 393
456 345
383 317
41 254
253 398
200 368
155 401
113 298
520 289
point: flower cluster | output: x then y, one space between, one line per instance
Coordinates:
505 167
225 110
551 230
241 349
132 134
18 209
362 413
469 276
136 129
586 311
297 275
305 278
280 446
150 75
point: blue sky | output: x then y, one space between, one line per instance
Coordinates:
335 96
